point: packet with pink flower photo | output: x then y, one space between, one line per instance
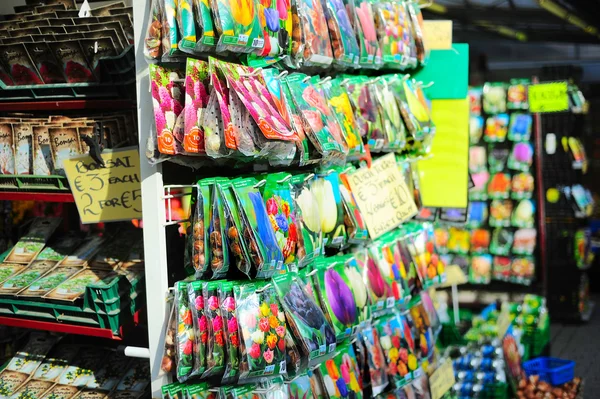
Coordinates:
196 100
70 55
215 350
263 325
232 335
168 97
199 320
362 19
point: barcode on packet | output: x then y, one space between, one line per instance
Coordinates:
258 42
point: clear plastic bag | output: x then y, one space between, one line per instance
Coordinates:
153 40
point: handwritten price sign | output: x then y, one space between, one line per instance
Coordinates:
442 380
438 34
382 195
548 97
110 193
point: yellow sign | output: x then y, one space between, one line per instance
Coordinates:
504 321
444 178
442 380
382 195
110 193
549 97
438 34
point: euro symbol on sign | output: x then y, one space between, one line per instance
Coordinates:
125 200
78 184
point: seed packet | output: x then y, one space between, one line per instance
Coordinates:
64 142
89 359
362 19
459 240
428 263
521 157
115 370
524 214
310 329
32 243
522 186
74 288
280 208
375 359
480 241
340 104
393 127
477 159
475 129
398 346
423 340
104 30
196 100
481 269
310 36
42 151
494 98
524 241
219 243
499 186
382 254
238 26
427 214
49 281
231 333
394 32
95 50
308 220
84 252
327 192
239 252
497 158
265 253
475 94
418 28
353 219
500 212
20 66
343 38
260 316
520 127
200 328
407 266
7 270
378 289
501 268
169 350
502 240
168 98
336 297
33 389
441 236
215 350
186 25
517 94
152 41
340 375
523 270
4 76
478 214
74 65
496 128
45 62
23 136
11 381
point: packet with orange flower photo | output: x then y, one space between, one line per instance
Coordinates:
311 46
375 359
341 376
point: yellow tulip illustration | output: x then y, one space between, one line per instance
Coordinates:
417 108
242 11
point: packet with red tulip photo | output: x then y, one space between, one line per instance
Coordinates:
196 100
185 330
362 20
215 350
231 330
200 323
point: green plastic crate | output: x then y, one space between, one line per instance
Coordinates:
495 391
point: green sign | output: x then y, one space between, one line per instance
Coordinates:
548 97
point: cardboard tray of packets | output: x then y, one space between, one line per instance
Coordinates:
94 281
32 150
49 51
48 367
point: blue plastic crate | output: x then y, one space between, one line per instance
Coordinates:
550 369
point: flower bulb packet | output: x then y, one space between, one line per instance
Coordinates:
353 219
265 254
395 35
153 38
415 114
340 375
523 214
20 66
521 157
196 101
336 297
480 240
185 333
516 95
200 325
311 46
422 333
237 25
382 254
300 387
343 39
170 33
480 271
475 129
326 189
201 219
366 113
215 350
186 25
273 18
280 208
231 332
308 221
359 288
239 252
216 118
441 237
418 29
519 128
375 359
310 329
501 268
496 128
494 98
393 126
378 289
500 212
502 240
205 28
168 96
219 242
260 317
340 104
407 266
396 341
362 17
524 241
430 267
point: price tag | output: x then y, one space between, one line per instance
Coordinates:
438 34
382 195
504 321
549 97
442 380
110 193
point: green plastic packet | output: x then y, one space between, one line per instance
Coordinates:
215 350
